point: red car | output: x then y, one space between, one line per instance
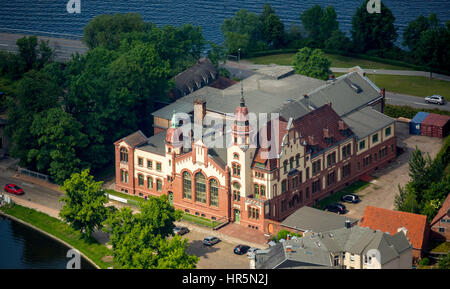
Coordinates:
13 189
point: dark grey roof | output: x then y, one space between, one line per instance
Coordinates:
155 144
366 121
347 93
316 249
310 219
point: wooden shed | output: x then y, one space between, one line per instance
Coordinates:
435 125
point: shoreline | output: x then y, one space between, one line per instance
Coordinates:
49 235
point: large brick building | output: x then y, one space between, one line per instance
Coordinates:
327 135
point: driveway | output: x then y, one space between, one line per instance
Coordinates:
384 187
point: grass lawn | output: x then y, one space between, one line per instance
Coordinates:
336 197
413 85
200 221
61 230
336 61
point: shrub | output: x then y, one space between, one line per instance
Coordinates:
424 262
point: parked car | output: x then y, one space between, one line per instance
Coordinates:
436 99
336 208
13 189
180 230
350 198
209 241
241 249
251 251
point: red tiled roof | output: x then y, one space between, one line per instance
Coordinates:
436 119
389 221
313 124
444 210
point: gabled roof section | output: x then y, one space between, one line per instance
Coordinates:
347 93
389 221
443 211
311 219
155 144
135 139
367 121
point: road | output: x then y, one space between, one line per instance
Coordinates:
413 101
33 193
63 48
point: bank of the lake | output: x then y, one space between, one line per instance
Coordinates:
58 230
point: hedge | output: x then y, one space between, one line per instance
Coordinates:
396 111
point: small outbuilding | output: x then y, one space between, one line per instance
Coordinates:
435 125
416 122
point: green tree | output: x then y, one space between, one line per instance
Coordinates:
339 42
106 30
84 203
406 200
59 141
312 63
35 92
416 27
444 263
319 23
271 27
140 240
216 54
32 55
373 31
242 31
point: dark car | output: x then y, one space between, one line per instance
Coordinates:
13 189
209 241
180 230
350 198
336 208
241 249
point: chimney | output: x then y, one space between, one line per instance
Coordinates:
305 96
199 111
348 224
326 133
341 125
329 103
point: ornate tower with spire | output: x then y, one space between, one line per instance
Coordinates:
174 136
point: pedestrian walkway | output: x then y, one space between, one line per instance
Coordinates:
39 182
243 233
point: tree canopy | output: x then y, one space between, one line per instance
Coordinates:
312 63
84 203
320 23
141 240
373 31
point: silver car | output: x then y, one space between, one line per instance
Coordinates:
436 99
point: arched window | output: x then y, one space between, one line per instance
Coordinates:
236 192
124 155
187 188
124 176
262 190
200 188
236 170
256 190
214 193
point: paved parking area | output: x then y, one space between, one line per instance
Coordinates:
384 187
219 256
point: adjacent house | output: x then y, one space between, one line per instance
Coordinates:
326 135
416 226
346 248
440 226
